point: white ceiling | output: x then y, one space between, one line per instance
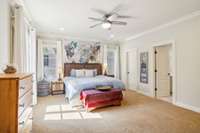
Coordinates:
72 15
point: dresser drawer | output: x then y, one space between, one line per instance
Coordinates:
24 102
27 128
25 85
25 121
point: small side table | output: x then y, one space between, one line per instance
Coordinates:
57 87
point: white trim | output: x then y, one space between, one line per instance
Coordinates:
182 19
186 106
144 93
46 35
21 3
172 43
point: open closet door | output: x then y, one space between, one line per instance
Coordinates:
163 69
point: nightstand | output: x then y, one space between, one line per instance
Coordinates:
57 87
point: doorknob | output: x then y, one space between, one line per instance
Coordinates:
128 72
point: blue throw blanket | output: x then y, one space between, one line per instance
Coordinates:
73 85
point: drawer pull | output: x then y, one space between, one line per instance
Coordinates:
22 105
22 88
21 123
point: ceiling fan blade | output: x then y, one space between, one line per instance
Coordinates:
119 23
96 19
95 25
124 16
116 9
99 11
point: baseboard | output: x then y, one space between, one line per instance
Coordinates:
144 93
189 107
182 105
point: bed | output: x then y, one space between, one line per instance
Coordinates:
74 85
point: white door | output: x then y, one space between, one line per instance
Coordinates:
163 70
132 69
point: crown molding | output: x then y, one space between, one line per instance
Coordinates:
26 12
174 22
63 36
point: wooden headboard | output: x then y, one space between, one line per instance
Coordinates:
69 66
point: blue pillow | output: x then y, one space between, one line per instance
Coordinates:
73 73
95 72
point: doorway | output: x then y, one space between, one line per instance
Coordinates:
163 72
131 67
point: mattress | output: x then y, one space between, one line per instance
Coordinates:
73 85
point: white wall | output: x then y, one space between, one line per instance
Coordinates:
4 32
187 44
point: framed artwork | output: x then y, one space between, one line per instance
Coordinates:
144 60
82 52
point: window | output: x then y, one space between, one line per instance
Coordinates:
49 62
49 59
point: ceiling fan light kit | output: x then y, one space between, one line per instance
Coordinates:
106 25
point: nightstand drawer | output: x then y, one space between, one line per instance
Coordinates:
57 87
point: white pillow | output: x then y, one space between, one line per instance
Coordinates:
80 73
89 73
95 72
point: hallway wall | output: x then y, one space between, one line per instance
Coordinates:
186 36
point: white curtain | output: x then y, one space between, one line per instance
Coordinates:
19 58
116 50
24 56
105 54
117 62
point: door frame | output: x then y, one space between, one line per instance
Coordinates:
174 80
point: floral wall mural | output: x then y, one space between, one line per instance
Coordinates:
82 52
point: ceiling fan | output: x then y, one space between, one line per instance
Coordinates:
109 18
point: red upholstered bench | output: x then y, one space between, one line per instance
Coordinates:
93 99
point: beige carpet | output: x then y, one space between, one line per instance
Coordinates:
138 114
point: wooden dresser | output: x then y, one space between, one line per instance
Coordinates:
15 103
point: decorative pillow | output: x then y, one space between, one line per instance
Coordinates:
95 72
89 73
73 73
106 87
80 73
